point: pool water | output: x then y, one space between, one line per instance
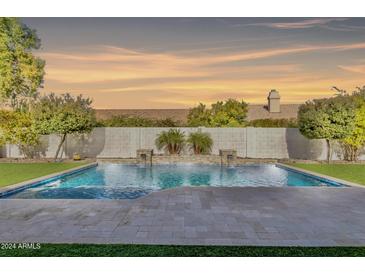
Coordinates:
127 181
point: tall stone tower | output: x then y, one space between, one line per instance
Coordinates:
273 101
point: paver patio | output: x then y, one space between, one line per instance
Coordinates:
208 215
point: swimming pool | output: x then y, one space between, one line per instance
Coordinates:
128 181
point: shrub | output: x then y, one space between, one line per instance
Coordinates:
18 128
171 141
127 121
287 123
200 143
199 116
231 113
352 144
168 122
136 121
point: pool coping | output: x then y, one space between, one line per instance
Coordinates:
320 175
7 190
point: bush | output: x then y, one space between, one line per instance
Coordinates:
355 142
200 143
136 121
18 128
168 122
231 113
199 116
172 141
287 123
127 121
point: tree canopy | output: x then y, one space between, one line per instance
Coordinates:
21 73
230 113
63 114
355 141
330 119
18 128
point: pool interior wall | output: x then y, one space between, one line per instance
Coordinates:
130 181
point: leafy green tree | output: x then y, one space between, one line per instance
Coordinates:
21 73
231 113
18 128
62 115
353 143
172 141
199 116
200 142
356 140
329 119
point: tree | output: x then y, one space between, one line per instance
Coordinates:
353 143
329 119
21 73
18 128
200 142
199 116
63 115
231 113
172 141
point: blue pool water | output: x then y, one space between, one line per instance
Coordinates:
124 181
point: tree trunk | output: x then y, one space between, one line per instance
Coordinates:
328 151
60 145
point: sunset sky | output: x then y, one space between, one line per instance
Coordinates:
178 62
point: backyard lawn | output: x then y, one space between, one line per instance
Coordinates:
350 172
12 173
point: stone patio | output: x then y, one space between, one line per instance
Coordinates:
309 216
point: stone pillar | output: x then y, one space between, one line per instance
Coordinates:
228 156
144 156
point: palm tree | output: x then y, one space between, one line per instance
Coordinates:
172 141
200 143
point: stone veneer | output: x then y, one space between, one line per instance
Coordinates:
197 159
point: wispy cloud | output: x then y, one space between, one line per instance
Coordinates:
354 68
304 24
159 78
125 56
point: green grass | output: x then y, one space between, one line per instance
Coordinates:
12 173
120 250
349 172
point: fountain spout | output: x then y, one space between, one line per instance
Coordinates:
144 157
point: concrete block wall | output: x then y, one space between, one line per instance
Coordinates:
228 138
256 143
266 143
